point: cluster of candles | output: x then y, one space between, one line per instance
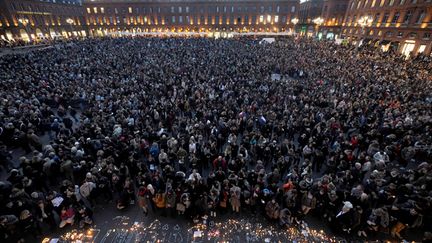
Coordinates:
233 230
76 236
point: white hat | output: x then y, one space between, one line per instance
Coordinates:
348 204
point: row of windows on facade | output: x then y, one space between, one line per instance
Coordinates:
38 20
378 18
338 8
189 20
400 34
45 8
187 9
63 1
381 3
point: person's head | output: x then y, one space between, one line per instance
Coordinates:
347 206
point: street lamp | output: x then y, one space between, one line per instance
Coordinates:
70 21
318 21
24 22
363 22
294 21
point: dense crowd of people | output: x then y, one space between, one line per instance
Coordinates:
198 127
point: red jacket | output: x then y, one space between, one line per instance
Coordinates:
217 164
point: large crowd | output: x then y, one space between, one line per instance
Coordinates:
199 127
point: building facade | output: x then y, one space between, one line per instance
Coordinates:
402 25
309 11
40 19
333 15
110 16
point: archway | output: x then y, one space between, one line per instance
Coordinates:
9 35
24 36
53 33
39 33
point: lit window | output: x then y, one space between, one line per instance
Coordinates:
382 3
95 10
88 10
261 18
401 2
130 9
386 17
102 10
268 18
420 17
391 2
276 19
373 3
421 48
359 4
395 17
407 17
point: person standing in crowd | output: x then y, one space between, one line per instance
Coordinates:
344 134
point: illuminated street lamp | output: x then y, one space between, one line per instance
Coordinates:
70 21
294 21
318 21
365 21
24 22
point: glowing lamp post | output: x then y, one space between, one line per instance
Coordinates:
294 21
365 21
318 21
70 21
24 22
